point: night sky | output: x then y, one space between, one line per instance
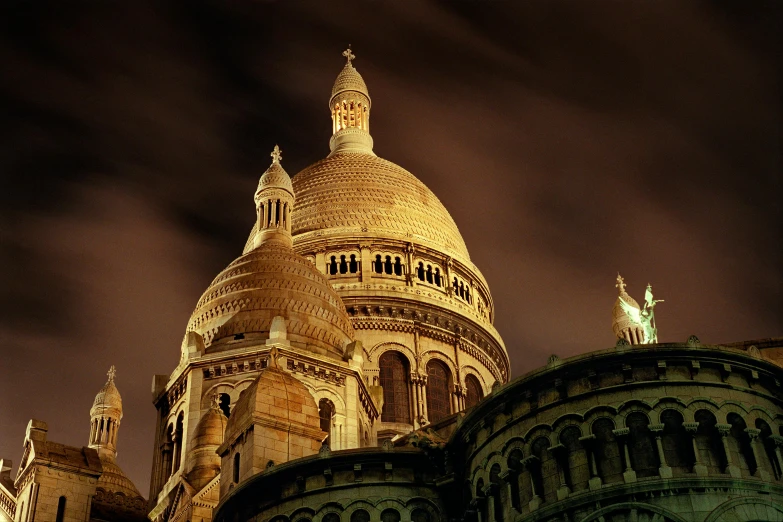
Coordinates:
569 141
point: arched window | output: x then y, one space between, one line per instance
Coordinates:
393 377
739 443
236 467
544 475
437 277
473 392
326 412
178 441
769 448
420 271
709 443
420 515
607 452
378 265
642 446
481 500
397 266
390 515
438 391
331 517
429 274
387 266
514 463
343 265
575 460
60 509
455 284
353 265
498 491
677 445
360 515
225 404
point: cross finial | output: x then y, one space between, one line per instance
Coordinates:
620 283
277 154
349 55
111 373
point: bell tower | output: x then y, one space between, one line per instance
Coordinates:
350 107
105 417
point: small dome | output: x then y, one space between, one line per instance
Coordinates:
107 397
268 281
204 462
114 479
349 79
277 396
275 176
620 316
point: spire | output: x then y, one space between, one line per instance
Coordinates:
274 202
105 416
350 108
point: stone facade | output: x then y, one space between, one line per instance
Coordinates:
345 368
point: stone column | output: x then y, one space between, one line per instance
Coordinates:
175 439
532 464
449 288
664 470
410 277
778 441
698 468
622 435
588 443
753 434
365 268
490 491
731 468
560 455
424 412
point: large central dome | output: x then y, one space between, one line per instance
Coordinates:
356 193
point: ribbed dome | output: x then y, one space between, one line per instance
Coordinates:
275 176
107 397
355 193
114 479
349 79
268 281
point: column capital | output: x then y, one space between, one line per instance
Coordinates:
777 439
753 433
723 429
622 432
691 427
656 428
532 461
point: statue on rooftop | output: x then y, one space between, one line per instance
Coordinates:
647 316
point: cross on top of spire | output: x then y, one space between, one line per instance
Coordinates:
349 55
277 154
620 283
111 373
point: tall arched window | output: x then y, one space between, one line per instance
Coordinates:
545 474
739 443
575 460
394 380
607 452
326 412
236 468
642 447
769 447
178 432
360 515
498 491
225 404
709 443
60 509
438 391
473 392
677 445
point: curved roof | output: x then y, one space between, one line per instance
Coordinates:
354 192
349 79
268 281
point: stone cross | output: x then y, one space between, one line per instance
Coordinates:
277 154
111 373
620 284
349 55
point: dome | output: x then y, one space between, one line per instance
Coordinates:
620 314
114 479
356 193
203 460
268 281
275 176
107 397
349 79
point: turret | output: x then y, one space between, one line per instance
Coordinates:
274 202
350 107
105 416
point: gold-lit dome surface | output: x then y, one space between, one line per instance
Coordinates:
355 193
268 281
114 479
349 79
108 397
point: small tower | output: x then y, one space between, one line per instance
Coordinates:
350 107
105 416
274 202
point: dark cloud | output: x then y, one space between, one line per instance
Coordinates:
569 140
